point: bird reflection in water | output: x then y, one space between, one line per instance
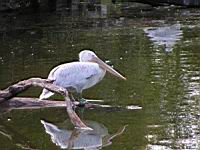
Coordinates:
166 36
81 139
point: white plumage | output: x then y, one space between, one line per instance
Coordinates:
77 76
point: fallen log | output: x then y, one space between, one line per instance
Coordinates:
34 103
21 86
29 103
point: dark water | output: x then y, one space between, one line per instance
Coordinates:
157 49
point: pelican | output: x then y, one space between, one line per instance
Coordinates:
80 75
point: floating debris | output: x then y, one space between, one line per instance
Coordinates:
133 107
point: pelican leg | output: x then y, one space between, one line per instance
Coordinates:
82 101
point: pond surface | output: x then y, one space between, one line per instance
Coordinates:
157 49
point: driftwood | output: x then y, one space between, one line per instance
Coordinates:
28 103
21 86
34 103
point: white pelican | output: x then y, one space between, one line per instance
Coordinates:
77 76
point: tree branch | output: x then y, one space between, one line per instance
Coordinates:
21 86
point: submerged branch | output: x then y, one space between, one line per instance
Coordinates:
34 103
21 86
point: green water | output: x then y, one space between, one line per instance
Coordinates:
163 73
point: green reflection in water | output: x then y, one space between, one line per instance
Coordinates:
165 84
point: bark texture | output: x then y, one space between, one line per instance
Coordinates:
21 86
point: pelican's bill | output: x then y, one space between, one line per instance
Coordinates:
108 68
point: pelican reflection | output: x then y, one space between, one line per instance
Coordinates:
81 139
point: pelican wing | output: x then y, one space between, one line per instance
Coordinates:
75 76
78 75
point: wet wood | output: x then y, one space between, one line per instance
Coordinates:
29 103
21 86
34 103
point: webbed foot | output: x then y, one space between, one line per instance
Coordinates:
82 102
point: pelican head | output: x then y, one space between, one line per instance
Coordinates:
89 56
86 56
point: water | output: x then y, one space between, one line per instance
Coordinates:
157 49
